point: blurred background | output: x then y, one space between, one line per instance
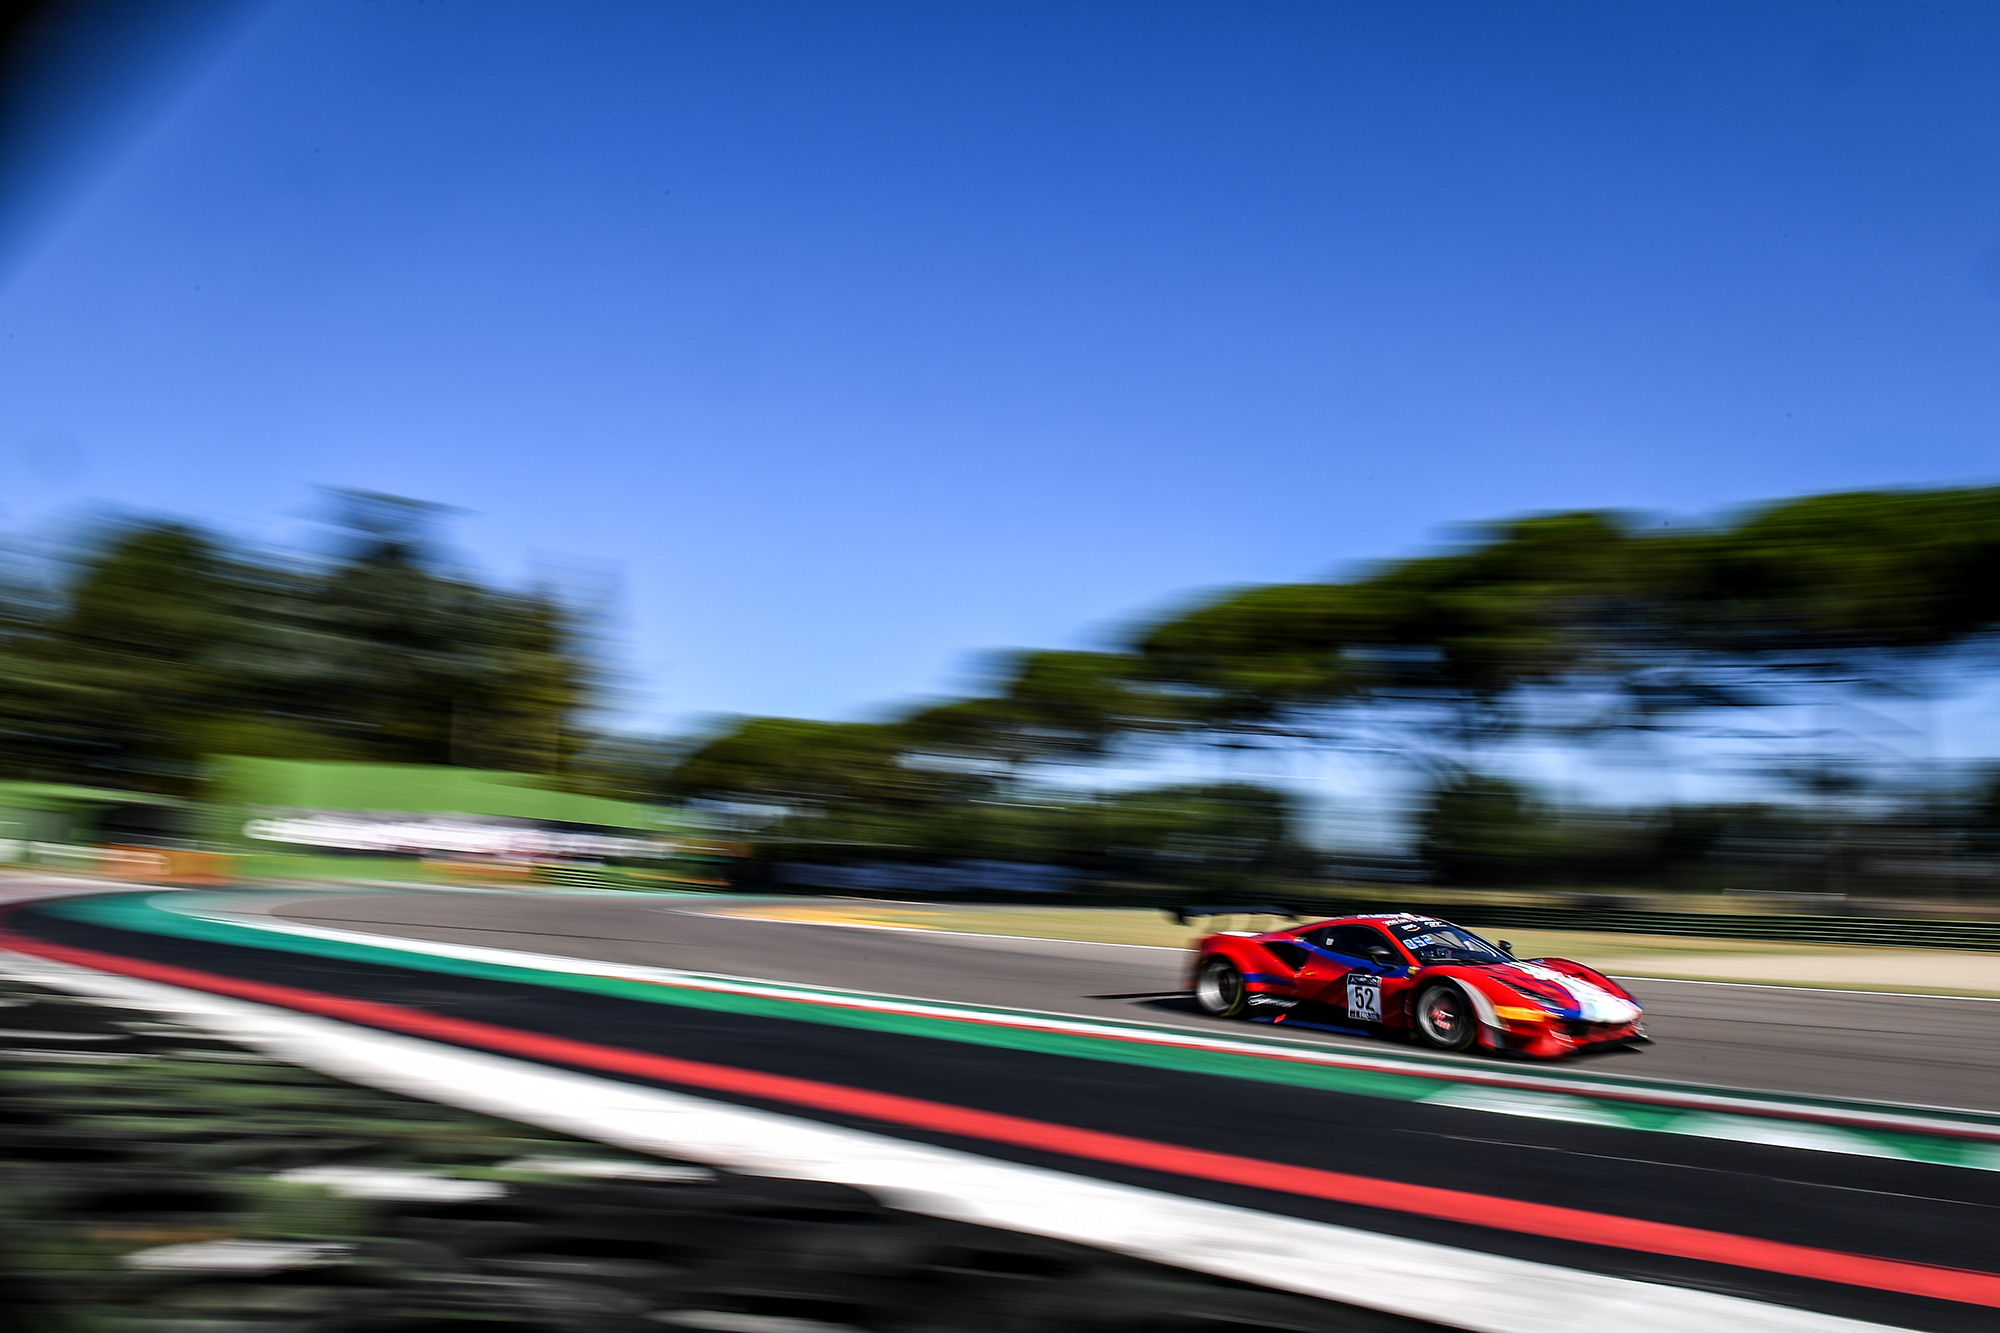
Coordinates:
743 551
1789 678
1375 425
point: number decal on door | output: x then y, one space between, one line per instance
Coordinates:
1364 998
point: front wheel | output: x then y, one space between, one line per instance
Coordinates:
1219 990
1445 1018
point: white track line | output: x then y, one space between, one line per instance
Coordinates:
1880 1115
1463 1289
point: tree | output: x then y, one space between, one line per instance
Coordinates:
799 770
1047 707
163 646
1215 834
1580 626
390 657
117 684
1481 829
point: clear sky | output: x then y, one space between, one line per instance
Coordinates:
858 337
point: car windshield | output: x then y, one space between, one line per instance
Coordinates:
1436 942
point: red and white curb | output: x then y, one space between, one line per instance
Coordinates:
1458 1288
1963 1140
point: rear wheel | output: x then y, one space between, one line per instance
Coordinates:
1445 1018
1219 989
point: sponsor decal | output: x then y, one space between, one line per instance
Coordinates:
1364 998
1260 1001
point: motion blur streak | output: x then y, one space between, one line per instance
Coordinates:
1784 660
1507 1214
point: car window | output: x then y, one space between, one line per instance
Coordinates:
1291 955
1353 941
1442 942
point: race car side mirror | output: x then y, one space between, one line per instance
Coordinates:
1507 947
1382 955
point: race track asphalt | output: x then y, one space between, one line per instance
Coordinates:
1917 1050
1904 1211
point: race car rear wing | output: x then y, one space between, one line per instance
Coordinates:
1182 916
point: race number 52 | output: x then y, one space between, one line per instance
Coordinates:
1364 998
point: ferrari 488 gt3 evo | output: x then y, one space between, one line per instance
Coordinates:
1396 973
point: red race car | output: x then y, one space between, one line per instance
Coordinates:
1396 973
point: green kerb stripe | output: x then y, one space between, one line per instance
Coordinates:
138 913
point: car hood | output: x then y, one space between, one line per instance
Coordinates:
1574 997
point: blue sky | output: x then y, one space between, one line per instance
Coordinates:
856 338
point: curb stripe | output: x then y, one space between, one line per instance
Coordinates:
1937 1282
1940 1122
1875 1131
1453 1287
1818 1125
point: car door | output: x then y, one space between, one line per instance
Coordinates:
1280 977
1343 974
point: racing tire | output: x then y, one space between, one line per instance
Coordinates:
1219 990
1444 1018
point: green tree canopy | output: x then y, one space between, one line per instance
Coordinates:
163 645
1648 620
